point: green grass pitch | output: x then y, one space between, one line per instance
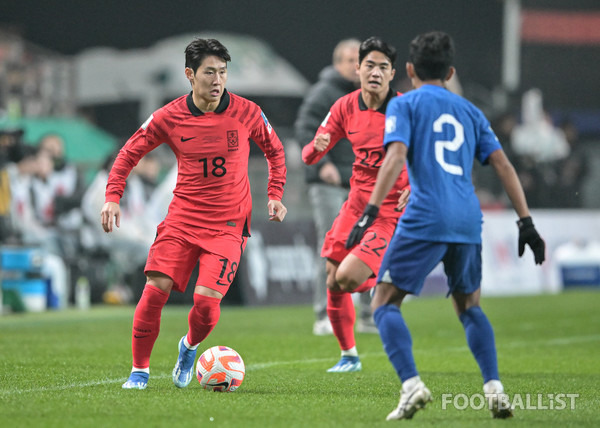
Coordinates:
65 369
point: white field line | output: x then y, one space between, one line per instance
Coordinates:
563 341
250 367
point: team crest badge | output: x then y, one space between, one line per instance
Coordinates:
232 140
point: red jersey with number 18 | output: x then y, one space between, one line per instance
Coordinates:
212 150
350 118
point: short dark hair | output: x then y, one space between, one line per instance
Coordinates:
198 49
432 55
376 44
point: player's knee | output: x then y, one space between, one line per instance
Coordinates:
346 282
387 294
464 302
160 281
332 284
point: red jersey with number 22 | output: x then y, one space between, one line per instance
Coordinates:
350 118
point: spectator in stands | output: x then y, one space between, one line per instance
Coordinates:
32 163
536 136
128 248
28 230
539 147
60 191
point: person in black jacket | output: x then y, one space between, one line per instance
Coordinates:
329 180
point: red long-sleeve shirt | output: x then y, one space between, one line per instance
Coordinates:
350 118
212 150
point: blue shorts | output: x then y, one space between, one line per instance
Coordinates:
408 261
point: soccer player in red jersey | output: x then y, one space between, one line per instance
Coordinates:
209 130
359 117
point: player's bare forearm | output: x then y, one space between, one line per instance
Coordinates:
510 181
391 168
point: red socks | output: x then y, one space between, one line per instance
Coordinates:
341 313
146 325
203 317
367 285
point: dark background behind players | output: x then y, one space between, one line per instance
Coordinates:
305 33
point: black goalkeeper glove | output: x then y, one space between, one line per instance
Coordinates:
528 235
361 226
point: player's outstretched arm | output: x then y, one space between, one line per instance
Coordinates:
314 151
510 181
512 185
277 210
395 158
110 213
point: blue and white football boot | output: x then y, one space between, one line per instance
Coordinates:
184 367
137 380
346 364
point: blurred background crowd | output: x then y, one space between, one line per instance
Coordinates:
68 101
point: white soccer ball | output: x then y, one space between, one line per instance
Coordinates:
220 368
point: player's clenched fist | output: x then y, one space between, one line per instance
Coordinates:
322 141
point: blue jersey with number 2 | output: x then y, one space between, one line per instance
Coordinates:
444 133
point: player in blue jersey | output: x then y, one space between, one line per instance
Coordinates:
438 135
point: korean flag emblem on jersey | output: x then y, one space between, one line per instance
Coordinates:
390 124
267 124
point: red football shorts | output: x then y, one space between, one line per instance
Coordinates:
178 247
371 248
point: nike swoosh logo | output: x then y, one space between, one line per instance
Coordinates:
223 384
353 132
140 337
186 139
363 221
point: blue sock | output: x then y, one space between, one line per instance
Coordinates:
396 339
480 337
